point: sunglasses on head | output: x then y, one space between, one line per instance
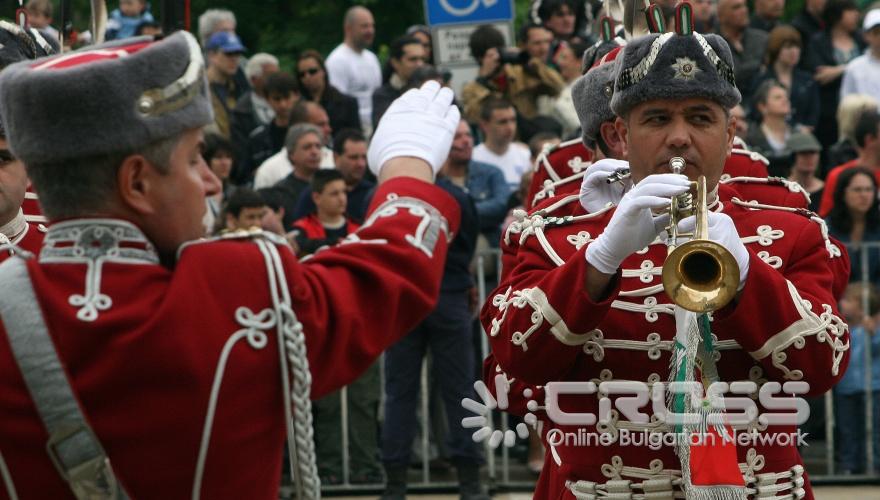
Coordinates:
310 71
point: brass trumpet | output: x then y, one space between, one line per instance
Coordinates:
700 275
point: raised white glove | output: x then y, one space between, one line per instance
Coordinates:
722 230
420 123
596 192
633 226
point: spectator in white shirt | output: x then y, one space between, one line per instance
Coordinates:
498 123
862 74
352 68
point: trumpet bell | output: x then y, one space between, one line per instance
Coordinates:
700 276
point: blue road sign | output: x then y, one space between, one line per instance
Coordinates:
440 12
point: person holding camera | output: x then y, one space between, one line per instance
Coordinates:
507 73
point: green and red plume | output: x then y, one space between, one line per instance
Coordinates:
684 19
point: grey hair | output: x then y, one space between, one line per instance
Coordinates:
84 186
209 20
254 66
297 132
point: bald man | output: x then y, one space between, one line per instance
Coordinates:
352 67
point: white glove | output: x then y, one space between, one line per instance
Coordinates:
420 123
633 226
596 192
722 230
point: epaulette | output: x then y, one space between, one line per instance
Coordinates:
793 187
548 190
833 250
739 143
252 234
753 155
577 164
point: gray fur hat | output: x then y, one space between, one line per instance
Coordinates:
111 98
675 66
592 95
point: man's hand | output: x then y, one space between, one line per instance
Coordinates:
596 193
419 125
722 230
490 63
827 74
633 226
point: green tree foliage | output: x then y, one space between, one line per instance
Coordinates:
286 27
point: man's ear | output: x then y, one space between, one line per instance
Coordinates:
622 134
230 221
612 139
731 133
135 180
315 197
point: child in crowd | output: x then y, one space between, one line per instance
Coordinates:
124 21
328 224
245 210
849 394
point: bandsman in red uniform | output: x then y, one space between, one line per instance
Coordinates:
21 225
584 301
141 362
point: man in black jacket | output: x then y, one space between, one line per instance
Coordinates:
407 54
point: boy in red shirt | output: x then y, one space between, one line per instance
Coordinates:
328 224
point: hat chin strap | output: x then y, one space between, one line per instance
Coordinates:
15 227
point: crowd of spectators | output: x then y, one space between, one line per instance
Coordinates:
290 147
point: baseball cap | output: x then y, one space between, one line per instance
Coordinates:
803 142
225 41
872 20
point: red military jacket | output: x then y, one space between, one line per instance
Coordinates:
557 169
31 207
543 327
142 344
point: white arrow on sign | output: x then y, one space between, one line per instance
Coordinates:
465 11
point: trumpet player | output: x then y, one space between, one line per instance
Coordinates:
585 301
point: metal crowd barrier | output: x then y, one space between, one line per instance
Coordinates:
504 473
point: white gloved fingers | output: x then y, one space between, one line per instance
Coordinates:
688 224
646 202
662 190
439 105
607 165
672 179
452 117
421 124
661 222
420 98
594 179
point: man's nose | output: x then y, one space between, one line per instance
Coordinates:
212 183
678 134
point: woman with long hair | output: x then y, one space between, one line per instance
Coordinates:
830 50
855 220
311 74
783 56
